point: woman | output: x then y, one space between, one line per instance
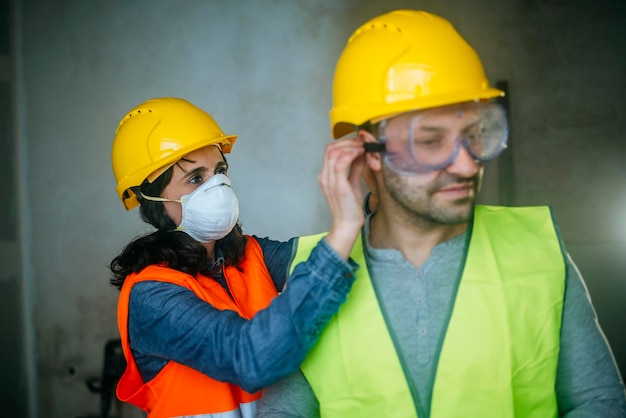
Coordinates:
201 329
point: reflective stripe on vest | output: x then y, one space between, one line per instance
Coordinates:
179 390
245 410
500 351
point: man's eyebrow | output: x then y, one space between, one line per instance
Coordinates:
432 128
471 125
435 128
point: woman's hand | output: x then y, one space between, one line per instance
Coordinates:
340 180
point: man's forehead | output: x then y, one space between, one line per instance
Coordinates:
458 112
457 109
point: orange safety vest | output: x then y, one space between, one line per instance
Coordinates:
178 389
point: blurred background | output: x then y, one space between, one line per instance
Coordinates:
70 69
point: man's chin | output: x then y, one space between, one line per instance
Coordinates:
458 213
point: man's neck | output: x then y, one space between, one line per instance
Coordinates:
414 239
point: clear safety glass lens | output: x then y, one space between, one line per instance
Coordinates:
430 140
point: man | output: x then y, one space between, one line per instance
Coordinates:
458 309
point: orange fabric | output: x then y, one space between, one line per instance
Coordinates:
178 389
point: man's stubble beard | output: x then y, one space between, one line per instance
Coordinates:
418 201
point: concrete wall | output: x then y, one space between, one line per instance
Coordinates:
264 70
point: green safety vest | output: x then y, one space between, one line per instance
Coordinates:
499 355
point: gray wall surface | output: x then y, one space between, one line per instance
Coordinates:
264 70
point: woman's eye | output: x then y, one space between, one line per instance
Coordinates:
221 170
195 179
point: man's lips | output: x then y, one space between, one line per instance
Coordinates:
456 190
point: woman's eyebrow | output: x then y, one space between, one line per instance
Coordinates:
198 171
184 160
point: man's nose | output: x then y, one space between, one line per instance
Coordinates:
464 165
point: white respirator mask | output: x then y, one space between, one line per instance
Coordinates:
210 212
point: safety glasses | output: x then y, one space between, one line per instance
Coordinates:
430 140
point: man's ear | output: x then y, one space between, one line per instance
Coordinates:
372 159
371 172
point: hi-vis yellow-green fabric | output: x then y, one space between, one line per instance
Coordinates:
498 358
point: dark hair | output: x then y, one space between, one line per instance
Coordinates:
169 247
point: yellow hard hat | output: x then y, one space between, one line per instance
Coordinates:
401 61
156 134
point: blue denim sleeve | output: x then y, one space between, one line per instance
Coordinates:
168 322
277 255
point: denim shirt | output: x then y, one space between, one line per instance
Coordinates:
168 322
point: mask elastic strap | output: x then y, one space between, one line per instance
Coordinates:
159 199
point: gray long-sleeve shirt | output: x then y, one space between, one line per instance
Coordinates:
588 382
